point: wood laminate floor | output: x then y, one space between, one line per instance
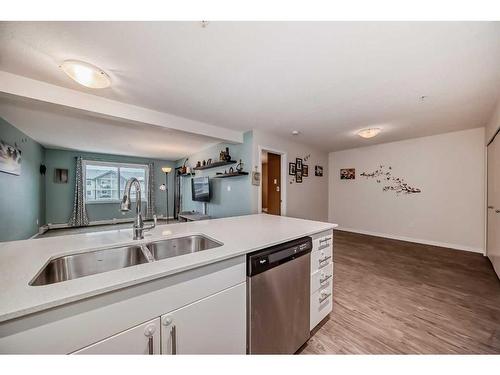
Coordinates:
394 297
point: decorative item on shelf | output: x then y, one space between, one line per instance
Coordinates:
10 159
256 177
204 163
239 166
396 184
209 161
298 164
318 171
184 168
305 170
291 169
231 170
228 157
198 164
222 156
188 170
347 173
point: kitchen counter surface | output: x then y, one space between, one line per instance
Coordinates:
20 261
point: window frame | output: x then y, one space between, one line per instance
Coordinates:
118 166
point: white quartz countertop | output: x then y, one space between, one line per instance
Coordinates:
20 261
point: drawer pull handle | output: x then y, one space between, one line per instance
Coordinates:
324 297
325 239
325 279
323 260
173 334
151 345
149 333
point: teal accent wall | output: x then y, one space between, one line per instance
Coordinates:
22 198
223 203
59 197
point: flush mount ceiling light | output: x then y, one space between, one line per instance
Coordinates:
86 74
369 133
295 132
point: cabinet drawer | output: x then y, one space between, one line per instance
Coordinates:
322 240
321 305
321 258
322 278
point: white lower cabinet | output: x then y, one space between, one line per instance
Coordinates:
142 339
212 325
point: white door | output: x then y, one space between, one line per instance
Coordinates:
213 325
141 339
493 239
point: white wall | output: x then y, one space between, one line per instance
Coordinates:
448 168
308 200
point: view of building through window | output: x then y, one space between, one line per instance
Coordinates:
106 181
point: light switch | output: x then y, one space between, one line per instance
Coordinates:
228 187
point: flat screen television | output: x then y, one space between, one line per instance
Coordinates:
200 189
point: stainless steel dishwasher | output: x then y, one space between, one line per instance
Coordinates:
278 293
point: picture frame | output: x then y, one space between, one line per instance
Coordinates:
291 169
10 159
298 176
348 173
256 178
318 171
305 170
298 164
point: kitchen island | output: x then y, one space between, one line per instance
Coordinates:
134 309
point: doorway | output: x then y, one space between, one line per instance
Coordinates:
271 182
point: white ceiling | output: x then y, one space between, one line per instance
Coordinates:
59 127
326 79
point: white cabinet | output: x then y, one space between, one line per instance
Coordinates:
321 277
212 325
142 339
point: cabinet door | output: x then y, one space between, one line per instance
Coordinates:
213 325
141 339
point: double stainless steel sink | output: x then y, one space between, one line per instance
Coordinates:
90 263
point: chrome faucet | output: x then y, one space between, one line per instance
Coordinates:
138 226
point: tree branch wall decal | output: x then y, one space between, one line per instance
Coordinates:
391 183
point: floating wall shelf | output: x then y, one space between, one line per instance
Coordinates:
232 174
214 164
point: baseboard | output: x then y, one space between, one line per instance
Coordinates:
102 222
415 240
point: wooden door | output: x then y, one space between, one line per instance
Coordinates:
212 325
274 184
493 238
141 339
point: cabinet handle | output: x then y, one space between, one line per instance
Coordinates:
325 239
323 260
324 297
325 279
173 335
151 345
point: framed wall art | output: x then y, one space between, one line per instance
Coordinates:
347 173
291 169
10 159
298 176
298 164
318 171
305 170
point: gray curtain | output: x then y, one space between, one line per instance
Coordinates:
79 217
151 192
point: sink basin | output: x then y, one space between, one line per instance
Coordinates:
180 246
79 265
84 264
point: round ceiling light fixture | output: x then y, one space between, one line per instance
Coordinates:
295 132
369 132
86 74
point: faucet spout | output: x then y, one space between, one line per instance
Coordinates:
126 203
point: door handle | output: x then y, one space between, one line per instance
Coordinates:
149 333
173 335
491 207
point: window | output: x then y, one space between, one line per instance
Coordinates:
105 182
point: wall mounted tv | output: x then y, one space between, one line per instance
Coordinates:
200 189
